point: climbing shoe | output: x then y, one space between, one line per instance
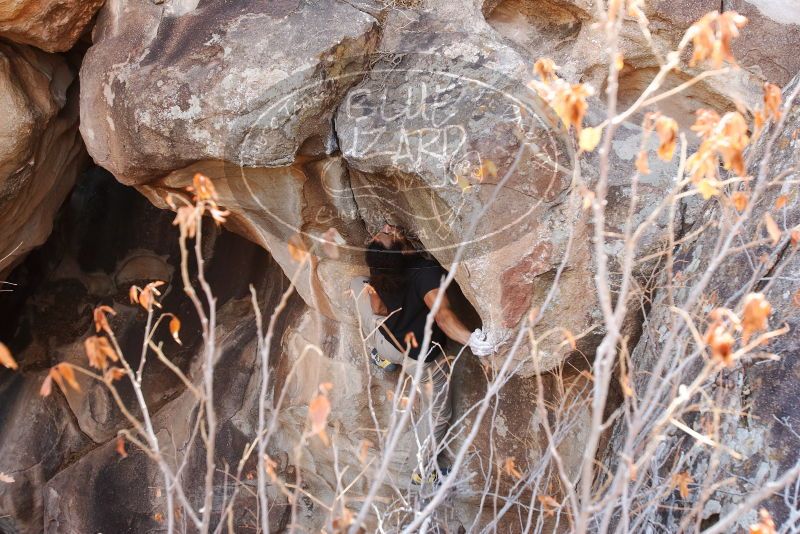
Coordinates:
433 479
383 363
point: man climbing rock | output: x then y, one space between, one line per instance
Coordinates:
393 305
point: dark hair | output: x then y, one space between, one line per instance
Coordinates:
387 267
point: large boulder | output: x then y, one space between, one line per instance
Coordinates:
41 152
52 25
166 85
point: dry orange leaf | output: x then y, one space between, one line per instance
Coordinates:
297 249
203 188
47 386
100 320
755 313
318 410
765 524
121 447
682 481
114 373
772 101
545 68
739 200
772 229
712 35
642 164
411 339
721 342
589 138
68 374
175 328
6 359
781 201
363 450
99 351
549 504
510 467
269 467
667 131
147 296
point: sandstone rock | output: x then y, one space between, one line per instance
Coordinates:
297 204
171 84
772 33
52 25
40 438
41 152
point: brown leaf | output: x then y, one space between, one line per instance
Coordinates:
269 467
99 351
318 410
721 342
133 294
114 373
47 386
100 320
121 447
781 201
6 359
66 371
681 481
772 229
549 504
510 467
545 68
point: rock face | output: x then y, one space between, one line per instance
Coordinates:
52 25
761 395
169 84
41 152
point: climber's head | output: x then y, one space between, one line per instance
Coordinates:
387 259
388 236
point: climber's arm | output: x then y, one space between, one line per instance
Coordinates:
378 307
446 318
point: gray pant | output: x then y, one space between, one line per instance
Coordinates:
433 386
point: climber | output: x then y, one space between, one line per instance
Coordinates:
393 305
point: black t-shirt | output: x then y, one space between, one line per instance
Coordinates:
423 275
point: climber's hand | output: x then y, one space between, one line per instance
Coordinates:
480 344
